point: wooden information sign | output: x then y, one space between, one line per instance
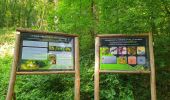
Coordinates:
38 52
122 53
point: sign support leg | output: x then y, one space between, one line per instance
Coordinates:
13 70
77 71
96 77
11 84
152 75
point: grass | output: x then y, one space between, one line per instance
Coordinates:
5 66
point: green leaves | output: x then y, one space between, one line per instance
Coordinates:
86 18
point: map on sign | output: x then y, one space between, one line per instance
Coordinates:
46 52
124 53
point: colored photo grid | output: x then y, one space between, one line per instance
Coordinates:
131 55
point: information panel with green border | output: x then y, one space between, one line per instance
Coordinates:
124 53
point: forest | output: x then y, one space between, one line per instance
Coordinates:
87 18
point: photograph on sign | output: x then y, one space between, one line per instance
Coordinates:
46 52
124 53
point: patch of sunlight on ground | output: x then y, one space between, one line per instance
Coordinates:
7 41
6 50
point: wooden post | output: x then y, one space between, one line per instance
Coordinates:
77 71
13 70
152 75
96 75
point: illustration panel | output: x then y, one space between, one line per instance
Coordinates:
124 53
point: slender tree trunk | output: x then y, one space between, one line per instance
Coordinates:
95 17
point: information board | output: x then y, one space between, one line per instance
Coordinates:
124 53
46 52
41 53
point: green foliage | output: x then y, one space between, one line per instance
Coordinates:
5 64
88 18
45 87
113 88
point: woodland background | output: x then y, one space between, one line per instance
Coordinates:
87 18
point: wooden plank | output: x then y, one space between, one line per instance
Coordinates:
13 70
45 72
96 73
45 32
121 35
152 76
124 72
77 71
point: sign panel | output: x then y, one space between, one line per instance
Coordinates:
124 53
46 52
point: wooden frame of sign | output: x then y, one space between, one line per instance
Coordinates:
31 38
101 67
